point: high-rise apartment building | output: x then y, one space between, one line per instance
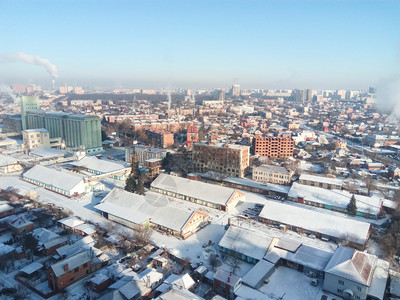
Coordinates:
276 146
221 157
236 90
76 130
28 103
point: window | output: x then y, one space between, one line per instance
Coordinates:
359 288
339 291
76 269
341 282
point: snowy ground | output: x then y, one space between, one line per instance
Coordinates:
286 283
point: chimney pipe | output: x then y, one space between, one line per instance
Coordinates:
66 267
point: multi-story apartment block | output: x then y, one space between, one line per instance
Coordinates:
273 146
271 174
160 138
34 138
221 157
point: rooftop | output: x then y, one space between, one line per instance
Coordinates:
315 221
192 188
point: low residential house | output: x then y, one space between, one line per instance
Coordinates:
20 225
70 223
374 166
100 282
394 172
6 210
211 195
6 252
68 271
271 174
353 274
226 284
51 246
176 294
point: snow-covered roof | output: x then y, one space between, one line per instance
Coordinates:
44 235
5 249
6 160
72 262
33 267
377 287
5 207
226 277
46 152
257 273
353 265
192 188
175 294
180 281
86 228
305 255
271 169
71 222
99 278
56 241
338 198
315 221
321 179
134 288
101 165
62 180
138 209
245 241
283 189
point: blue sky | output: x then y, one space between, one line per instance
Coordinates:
153 44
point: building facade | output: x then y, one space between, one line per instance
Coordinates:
221 157
275 147
271 174
76 130
34 138
160 138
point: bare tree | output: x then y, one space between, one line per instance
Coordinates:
369 184
143 235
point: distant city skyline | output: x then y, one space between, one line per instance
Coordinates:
201 44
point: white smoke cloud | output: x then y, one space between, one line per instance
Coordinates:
34 60
388 96
7 90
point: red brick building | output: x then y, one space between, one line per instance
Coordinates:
275 146
68 271
160 138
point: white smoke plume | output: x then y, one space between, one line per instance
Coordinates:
7 90
169 99
34 60
388 96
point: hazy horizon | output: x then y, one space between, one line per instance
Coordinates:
200 44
